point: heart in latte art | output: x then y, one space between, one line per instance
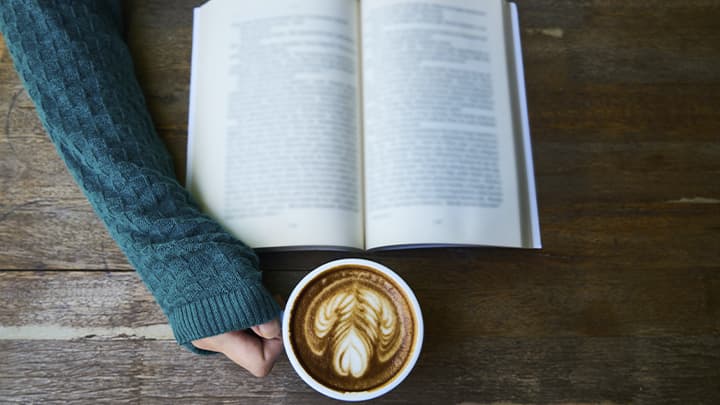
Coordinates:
356 325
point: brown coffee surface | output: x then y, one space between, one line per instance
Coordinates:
352 329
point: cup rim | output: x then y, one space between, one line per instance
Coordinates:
359 395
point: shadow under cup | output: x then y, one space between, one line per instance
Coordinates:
352 329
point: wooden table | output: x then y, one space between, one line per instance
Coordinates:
621 306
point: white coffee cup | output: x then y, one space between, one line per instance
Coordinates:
412 355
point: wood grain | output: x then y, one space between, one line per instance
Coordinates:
512 302
622 305
521 370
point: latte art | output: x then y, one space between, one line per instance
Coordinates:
352 329
356 325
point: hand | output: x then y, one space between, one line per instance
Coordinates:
256 353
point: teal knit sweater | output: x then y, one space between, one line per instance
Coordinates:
78 71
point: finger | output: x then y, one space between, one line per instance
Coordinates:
250 352
268 330
272 349
207 343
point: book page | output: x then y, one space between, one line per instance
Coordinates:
440 157
274 151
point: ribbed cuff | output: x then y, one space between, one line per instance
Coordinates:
248 306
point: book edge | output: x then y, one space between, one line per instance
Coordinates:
192 103
535 240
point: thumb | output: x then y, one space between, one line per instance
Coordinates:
268 330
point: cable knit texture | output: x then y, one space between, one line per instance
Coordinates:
77 69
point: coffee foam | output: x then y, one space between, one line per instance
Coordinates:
352 329
356 324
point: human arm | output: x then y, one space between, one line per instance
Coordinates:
79 73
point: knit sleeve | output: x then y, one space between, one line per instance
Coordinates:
79 73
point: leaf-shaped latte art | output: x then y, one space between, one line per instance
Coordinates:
356 324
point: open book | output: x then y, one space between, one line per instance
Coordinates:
362 123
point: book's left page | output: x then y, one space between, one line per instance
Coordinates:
274 131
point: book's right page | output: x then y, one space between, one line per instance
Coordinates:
442 136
